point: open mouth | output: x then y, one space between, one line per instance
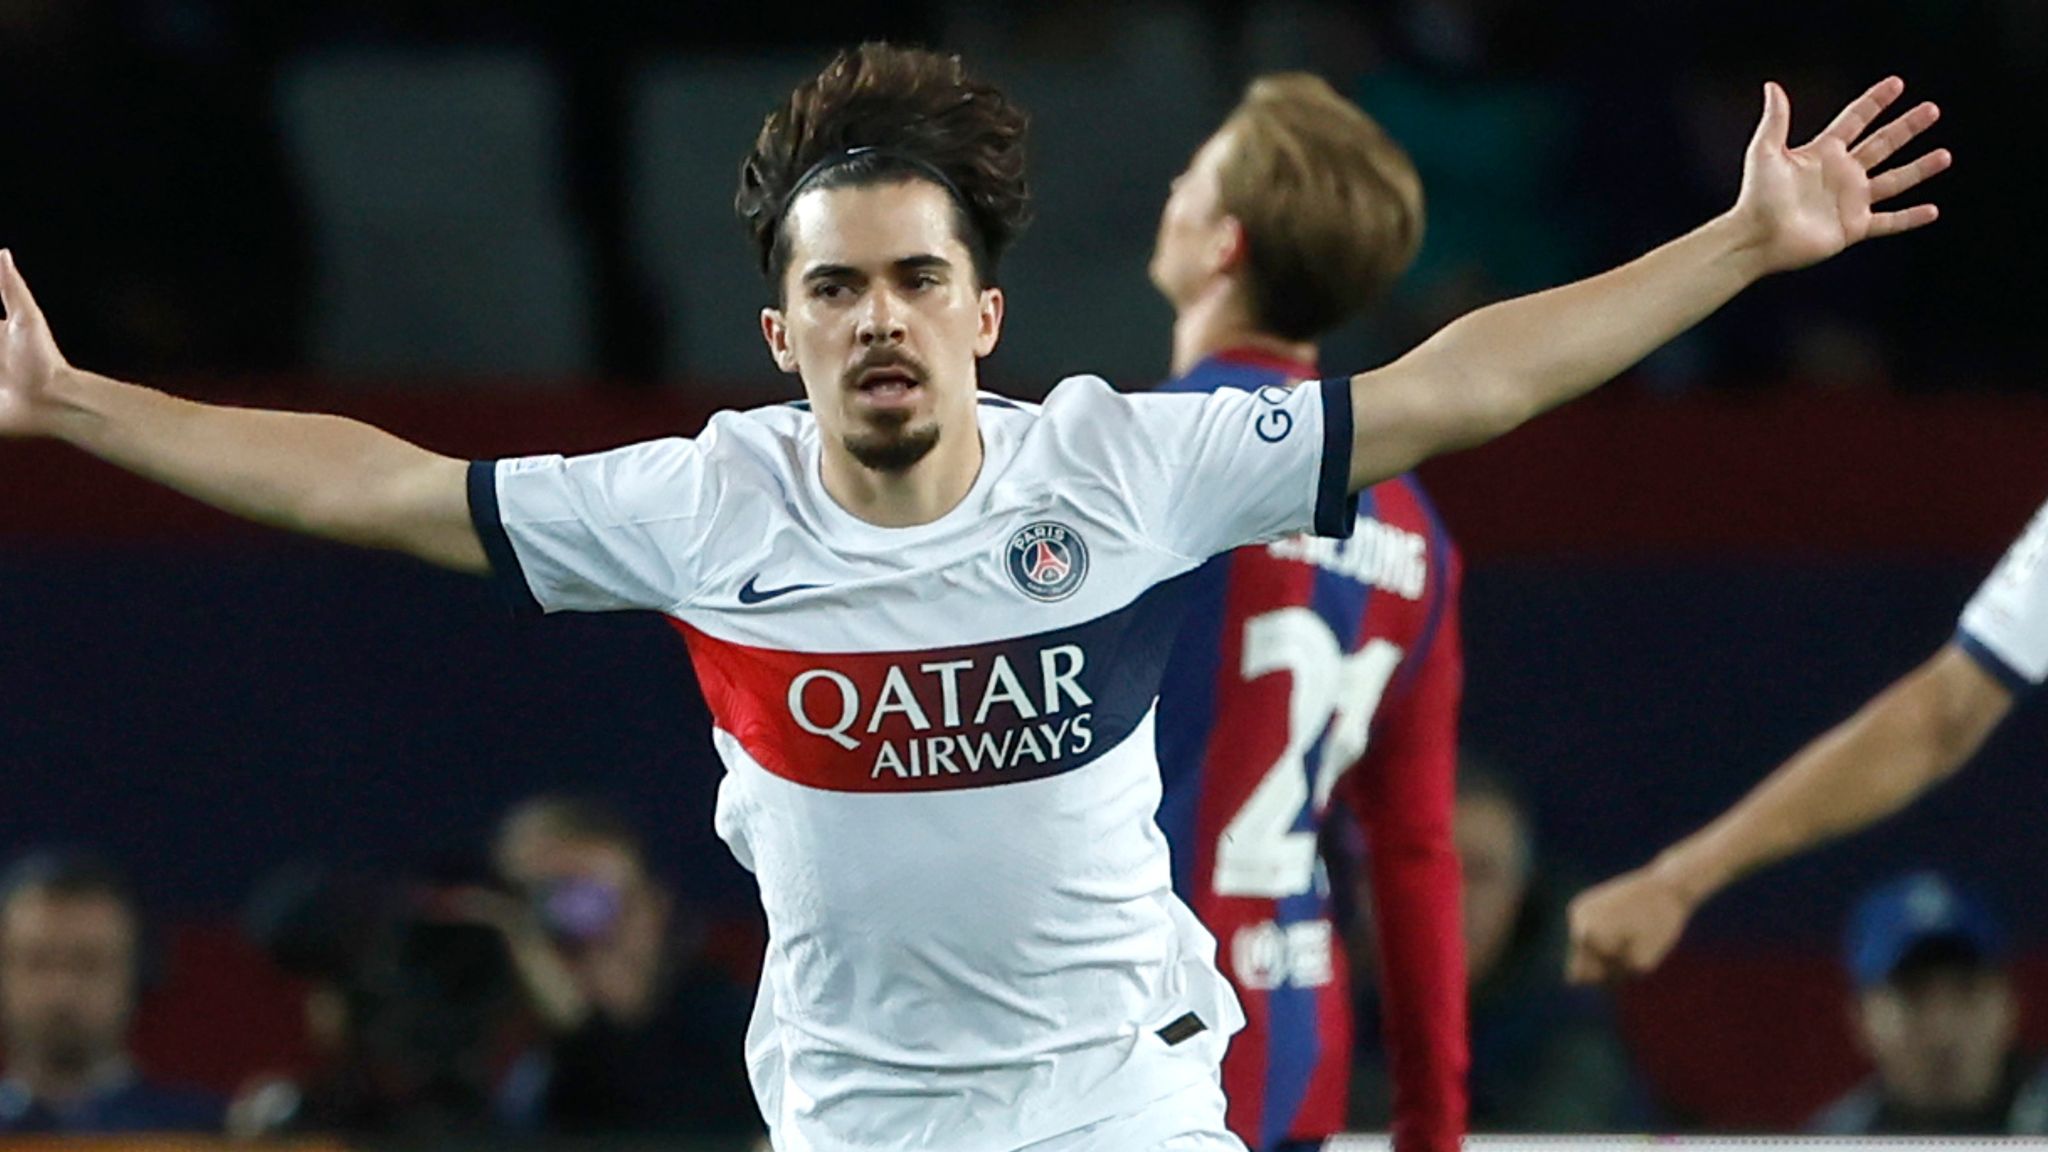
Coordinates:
889 385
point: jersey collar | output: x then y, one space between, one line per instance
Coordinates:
1271 361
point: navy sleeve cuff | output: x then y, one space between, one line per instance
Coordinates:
1336 504
2014 680
506 573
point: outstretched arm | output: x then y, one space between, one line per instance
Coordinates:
1493 369
321 475
1902 743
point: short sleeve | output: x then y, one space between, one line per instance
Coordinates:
1213 471
2005 626
614 530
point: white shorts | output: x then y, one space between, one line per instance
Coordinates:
1190 1120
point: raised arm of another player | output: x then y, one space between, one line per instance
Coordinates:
1404 794
1491 370
321 475
1909 738
1912 736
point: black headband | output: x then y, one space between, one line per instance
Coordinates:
847 156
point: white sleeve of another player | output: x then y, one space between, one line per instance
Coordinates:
2005 625
613 530
1208 472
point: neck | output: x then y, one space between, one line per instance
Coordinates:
64 1085
921 494
1218 320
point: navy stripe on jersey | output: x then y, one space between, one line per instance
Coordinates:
1187 715
2015 681
1336 504
938 719
1293 1050
506 574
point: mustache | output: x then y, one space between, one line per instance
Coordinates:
879 358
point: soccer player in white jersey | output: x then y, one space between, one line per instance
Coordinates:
925 617
1907 739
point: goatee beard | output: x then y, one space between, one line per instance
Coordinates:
893 450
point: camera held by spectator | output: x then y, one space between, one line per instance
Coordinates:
640 1035
410 1005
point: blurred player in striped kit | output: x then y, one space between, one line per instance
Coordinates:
1910 737
1312 669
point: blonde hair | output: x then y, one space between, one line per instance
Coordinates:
1330 204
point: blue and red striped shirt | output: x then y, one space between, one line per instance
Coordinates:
1310 670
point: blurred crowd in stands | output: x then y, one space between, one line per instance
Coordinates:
182 198
558 989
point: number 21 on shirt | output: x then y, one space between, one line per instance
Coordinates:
1331 701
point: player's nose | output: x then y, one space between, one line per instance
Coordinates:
881 320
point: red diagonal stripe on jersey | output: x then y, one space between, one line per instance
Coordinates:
929 720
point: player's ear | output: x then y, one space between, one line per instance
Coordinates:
1230 249
775 330
991 329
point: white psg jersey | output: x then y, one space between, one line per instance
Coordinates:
938 739
2005 625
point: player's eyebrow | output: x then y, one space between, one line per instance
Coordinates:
818 272
924 262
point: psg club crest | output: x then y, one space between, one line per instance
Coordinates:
1047 560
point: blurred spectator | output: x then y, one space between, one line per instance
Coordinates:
1935 1012
1545 1057
642 1034
70 974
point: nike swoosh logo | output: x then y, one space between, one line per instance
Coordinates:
752 595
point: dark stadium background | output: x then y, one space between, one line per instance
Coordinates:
1671 585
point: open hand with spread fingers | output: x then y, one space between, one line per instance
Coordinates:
29 359
1805 204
